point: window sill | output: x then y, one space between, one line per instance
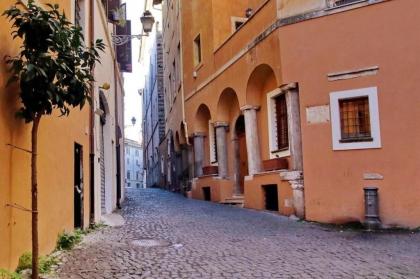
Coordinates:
361 139
198 66
279 150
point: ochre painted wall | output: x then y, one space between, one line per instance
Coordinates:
378 35
57 137
305 53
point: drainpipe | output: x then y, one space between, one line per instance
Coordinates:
92 125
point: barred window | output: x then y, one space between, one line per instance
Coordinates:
281 122
355 119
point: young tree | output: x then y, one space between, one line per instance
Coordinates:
53 71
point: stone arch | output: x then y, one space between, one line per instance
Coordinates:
228 106
202 118
261 81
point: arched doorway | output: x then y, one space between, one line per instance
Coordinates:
107 190
102 154
240 155
202 150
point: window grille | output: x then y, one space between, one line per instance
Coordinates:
281 122
339 3
355 119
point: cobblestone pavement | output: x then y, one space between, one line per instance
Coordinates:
205 240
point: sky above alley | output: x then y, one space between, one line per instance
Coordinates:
134 81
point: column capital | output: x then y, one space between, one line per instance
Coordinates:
198 135
218 124
249 107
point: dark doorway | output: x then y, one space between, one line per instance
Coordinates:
207 193
78 186
241 155
271 197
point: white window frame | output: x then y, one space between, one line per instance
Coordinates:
335 97
272 127
212 143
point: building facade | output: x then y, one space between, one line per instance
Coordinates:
292 106
154 115
73 150
133 164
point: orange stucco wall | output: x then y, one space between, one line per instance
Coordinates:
57 137
220 189
366 35
255 196
378 35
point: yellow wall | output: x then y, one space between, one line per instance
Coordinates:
55 171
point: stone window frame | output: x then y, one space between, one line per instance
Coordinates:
272 127
197 51
335 97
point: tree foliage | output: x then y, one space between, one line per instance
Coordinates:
54 67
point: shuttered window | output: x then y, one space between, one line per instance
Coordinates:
281 122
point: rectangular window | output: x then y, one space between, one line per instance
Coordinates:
355 119
128 175
197 50
278 124
281 122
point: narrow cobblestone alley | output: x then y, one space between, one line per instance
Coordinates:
196 239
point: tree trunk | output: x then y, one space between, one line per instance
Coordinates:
34 190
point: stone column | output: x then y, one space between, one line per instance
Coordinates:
221 130
252 139
295 135
295 179
198 154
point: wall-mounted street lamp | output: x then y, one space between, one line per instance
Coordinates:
147 20
133 122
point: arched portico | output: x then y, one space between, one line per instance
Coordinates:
261 81
201 137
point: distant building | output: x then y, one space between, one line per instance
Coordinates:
133 164
154 115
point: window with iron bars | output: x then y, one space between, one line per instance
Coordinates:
281 122
355 119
